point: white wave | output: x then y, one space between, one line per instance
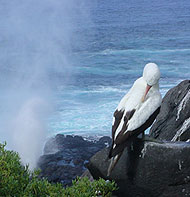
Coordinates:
100 89
103 89
122 51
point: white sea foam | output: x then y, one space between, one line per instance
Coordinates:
97 89
102 89
116 52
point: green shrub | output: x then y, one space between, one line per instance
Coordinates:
13 176
82 187
16 180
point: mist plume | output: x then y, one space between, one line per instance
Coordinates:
36 39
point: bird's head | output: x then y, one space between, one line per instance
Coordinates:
151 75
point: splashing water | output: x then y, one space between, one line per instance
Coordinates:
35 39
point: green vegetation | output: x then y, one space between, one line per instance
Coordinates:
16 180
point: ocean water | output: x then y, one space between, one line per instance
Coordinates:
121 38
85 55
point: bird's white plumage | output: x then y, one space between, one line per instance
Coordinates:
145 109
113 121
133 99
151 74
136 111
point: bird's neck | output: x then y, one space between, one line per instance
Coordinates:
156 86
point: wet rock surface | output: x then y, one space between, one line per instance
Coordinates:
65 157
152 169
173 121
159 167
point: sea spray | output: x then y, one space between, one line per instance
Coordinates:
36 45
29 130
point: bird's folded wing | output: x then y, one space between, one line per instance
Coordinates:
121 119
121 135
123 140
117 117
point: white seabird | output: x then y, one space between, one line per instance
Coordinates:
136 112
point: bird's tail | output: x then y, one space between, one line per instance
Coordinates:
113 163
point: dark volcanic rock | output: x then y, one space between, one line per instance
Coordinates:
173 121
150 169
153 169
65 157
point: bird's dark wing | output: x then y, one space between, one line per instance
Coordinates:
121 136
118 116
120 144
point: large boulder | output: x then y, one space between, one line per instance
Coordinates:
173 121
152 169
159 167
65 156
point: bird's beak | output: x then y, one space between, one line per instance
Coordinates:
146 92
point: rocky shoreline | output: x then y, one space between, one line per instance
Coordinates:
65 157
158 166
